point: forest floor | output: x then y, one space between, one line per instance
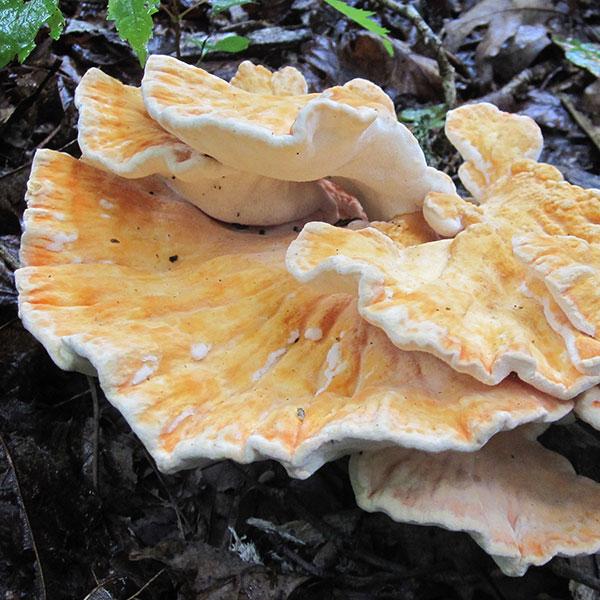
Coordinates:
84 513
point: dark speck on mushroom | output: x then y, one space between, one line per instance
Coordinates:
173 258
115 241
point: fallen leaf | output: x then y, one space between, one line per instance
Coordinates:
503 19
583 54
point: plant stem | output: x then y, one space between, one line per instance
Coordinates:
433 42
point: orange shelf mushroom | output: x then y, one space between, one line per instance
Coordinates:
522 503
471 300
349 133
117 134
190 324
216 341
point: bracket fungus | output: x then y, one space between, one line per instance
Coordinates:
349 133
183 348
470 300
116 134
191 322
257 79
522 503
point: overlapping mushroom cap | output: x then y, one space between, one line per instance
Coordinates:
522 503
349 133
257 79
211 350
471 300
117 134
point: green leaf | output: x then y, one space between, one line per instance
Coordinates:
20 22
429 117
363 18
230 44
583 54
222 5
426 124
133 19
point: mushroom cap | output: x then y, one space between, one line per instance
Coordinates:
191 324
570 269
257 79
490 140
522 503
470 300
348 132
117 134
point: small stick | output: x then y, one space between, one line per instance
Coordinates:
563 569
28 163
303 564
581 120
172 500
7 257
507 92
44 594
433 42
96 438
149 582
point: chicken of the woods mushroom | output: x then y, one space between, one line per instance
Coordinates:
191 323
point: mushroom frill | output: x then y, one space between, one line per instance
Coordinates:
167 261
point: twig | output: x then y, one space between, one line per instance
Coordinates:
7 257
28 163
100 585
44 594
189 9
332 534
27 102
7 323
303 564
176 19
506 93
49 137
75 397
149 582
177 25
433 42
563 569
588 127
96 438
172 500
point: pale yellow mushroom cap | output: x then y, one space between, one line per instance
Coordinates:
522 503
211 350
473 301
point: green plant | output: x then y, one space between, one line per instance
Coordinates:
230 44
426 125
22 20
363 18
583 54
133 20
20 23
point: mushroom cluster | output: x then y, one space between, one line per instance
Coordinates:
435 344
